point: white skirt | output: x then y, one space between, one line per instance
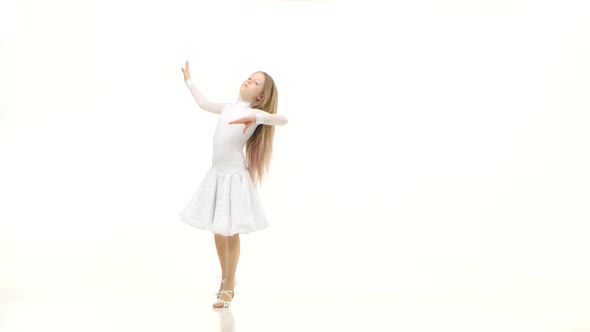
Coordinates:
226 202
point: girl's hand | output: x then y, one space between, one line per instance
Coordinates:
186 71
247 121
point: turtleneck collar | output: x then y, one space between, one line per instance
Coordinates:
243 102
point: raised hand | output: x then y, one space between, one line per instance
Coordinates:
186 71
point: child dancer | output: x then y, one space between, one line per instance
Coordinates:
227 202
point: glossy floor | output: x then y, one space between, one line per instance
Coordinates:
290 312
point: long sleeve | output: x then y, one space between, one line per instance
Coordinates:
202 101
270 119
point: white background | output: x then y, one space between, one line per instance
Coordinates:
434 149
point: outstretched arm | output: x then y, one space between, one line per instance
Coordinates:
268 119
199 98
263 118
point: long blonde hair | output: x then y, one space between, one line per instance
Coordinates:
259 146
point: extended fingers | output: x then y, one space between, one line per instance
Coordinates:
247 124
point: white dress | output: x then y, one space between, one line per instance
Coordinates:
227 202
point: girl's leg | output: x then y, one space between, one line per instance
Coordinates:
233 255
221 245
232 251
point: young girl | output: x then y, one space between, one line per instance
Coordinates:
227 201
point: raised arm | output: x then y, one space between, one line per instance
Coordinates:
199 98
202 101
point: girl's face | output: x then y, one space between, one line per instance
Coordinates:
251 90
